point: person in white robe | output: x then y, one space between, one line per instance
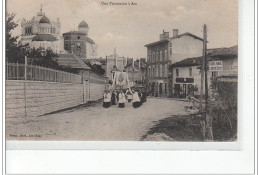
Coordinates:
106 99
121 100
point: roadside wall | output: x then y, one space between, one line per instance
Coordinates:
96 86
41 97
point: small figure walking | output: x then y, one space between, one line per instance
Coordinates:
121 101
136 99
107 99
113 98
129 96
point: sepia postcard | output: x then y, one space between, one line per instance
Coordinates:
146 71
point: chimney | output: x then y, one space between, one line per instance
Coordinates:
166 35
175 32
161 37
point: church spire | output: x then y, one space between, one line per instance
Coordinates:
115 56
41 9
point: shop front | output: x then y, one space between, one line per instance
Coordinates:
158 88
184 87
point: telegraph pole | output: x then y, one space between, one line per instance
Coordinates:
25 86
202 74
209 134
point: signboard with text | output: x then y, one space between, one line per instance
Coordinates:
215 66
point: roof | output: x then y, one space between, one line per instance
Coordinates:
44 37
90 40
190 34
189 62
72 61
223 51
212 54
75 32
171 38
157 42
80 33
44 19
83 24
136 63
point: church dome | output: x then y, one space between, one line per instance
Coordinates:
83 24
44 19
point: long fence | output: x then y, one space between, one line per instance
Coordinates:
17 71
34 90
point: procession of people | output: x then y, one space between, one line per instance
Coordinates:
120 97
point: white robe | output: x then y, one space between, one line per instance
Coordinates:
136 97
121 98
107 98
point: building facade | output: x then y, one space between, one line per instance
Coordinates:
114 63
137 72
78 42
42 32
186 74
161 54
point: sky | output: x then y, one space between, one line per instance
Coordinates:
130 27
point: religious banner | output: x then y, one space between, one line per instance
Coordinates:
120 80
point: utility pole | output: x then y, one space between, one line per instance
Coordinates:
209 134
25 86
202 74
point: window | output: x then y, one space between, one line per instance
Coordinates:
170 47
155 71
28 31
78 37
66 46
163 71
214 74
166 70
153 58
177 72
161 74
161 55
190 72
166 55
78 47
158 70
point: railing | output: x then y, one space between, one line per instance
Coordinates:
16 71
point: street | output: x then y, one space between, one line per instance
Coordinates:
95 123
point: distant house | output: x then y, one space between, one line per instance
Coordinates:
137 71
71 61
186 74
166 51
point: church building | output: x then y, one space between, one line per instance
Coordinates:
78 42
40 31
114 63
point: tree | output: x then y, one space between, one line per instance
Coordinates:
42 57
16 52
12 48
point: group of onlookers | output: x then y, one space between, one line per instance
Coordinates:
120 97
